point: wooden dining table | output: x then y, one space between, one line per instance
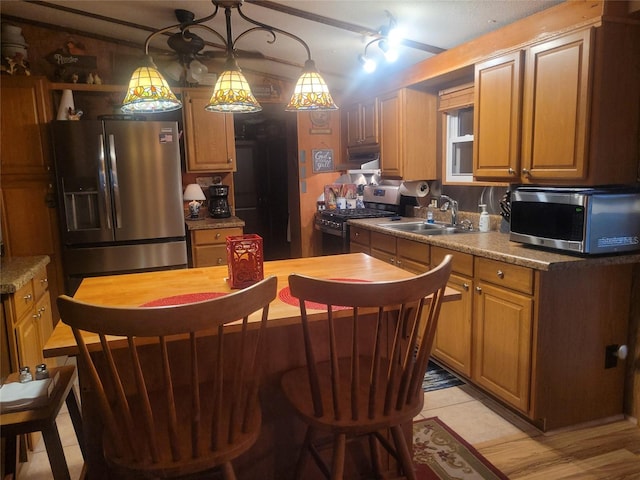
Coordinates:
276 450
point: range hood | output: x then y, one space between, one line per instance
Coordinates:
362 160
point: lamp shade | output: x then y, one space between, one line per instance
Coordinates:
193 192
232 93
311 91
149 92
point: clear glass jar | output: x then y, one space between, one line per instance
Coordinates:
25 375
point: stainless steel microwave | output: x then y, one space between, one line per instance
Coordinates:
600 220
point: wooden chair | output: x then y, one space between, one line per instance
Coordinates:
179 394
367 382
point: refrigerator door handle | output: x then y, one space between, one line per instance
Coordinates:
114 181
102 175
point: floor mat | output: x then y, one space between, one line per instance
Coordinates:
439 453
437 378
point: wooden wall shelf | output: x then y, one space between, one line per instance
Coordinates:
85 87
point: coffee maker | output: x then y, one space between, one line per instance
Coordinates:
218 201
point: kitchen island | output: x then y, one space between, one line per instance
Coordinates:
539 330
275 453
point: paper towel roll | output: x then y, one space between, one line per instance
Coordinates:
414 189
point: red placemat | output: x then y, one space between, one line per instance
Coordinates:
182 299
286 297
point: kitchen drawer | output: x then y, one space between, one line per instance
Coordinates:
40 283
359 235
506 275
23 301
384 242
209 255
410 249
216 235
462 262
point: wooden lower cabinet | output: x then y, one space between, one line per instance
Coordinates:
407 254
452 344
536 340
209 247
383 247
502 343
29 323
359 240
412 256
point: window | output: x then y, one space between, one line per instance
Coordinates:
456 108
459 145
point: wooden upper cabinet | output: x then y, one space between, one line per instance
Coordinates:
408 134
209 136
498 92
362 123
25 107
556 108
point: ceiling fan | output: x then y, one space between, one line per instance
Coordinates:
189 54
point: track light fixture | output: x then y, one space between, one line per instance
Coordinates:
388 40
149 92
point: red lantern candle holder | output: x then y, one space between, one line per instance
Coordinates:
244 260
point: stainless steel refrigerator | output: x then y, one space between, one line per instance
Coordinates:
120 197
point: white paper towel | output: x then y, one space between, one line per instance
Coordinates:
414 189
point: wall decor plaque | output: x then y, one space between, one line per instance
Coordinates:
322 160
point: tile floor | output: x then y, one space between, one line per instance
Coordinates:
471 414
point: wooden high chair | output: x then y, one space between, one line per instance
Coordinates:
368 383
178 390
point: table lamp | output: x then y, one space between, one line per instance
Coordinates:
194 195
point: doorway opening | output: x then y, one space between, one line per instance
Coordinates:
261 181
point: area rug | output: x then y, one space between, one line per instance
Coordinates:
439 453
437 378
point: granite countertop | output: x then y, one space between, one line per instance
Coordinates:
497 246
207 223
15 272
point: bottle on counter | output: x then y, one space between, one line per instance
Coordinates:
25 375
484 223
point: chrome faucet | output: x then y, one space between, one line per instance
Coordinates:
450 204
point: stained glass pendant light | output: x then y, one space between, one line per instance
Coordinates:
311 91
149 92
232 94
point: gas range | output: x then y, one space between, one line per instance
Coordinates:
334 222
379 201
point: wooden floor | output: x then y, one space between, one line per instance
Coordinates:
608 450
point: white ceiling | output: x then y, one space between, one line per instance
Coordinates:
439 23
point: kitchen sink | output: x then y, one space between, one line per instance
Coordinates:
423 228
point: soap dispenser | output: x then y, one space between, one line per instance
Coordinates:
484 219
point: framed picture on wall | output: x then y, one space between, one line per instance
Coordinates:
322 160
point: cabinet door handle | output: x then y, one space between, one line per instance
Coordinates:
229 160
478 289
500 274
217 236
37 316
357 234
28 297
511 171
526 172
219 261
44 281
465 286
392 260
